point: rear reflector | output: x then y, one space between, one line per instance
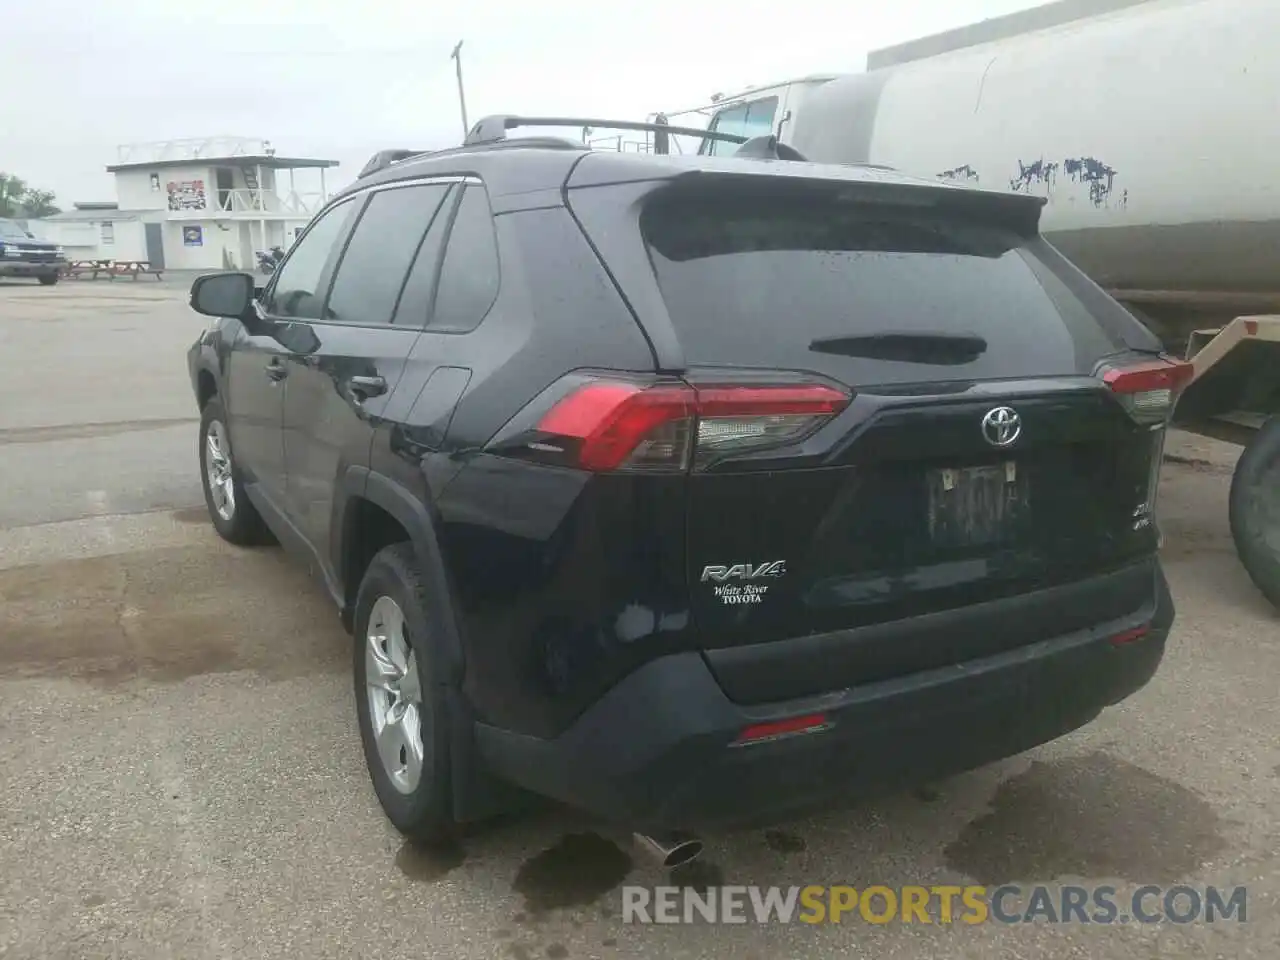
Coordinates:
606 425
783 728
1129 636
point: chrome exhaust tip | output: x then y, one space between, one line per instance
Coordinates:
670 850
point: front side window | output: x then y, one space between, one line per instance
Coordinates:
760 115
297 293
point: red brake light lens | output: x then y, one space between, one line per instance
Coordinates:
1149 389
617 425
616 421
1163 374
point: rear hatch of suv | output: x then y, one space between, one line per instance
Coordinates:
913 434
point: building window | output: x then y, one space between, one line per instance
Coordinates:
108 232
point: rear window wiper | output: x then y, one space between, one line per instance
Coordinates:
940 349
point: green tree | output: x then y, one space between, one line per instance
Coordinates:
18 199
39 203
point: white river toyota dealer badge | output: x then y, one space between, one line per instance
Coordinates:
738 583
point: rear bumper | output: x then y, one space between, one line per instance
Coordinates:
657 751
18 268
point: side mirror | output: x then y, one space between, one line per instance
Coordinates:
223 294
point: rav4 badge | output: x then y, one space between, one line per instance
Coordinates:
744 571
744 591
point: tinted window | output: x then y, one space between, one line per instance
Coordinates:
754 119
415 299
377 259
296 292
869 296
469 275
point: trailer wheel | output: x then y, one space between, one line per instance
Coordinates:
1255 509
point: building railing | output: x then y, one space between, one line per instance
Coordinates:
199 148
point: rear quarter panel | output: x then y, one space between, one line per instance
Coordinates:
543 563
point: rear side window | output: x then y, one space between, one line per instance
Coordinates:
377 259
871 295
469 274
415 299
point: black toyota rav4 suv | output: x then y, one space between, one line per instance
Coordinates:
692 490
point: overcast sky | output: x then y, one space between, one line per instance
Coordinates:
344 78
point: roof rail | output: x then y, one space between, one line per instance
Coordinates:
494 128
385 158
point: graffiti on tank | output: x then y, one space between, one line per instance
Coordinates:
965 173
1094 182
1035 175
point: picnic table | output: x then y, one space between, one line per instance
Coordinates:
111 268
78 268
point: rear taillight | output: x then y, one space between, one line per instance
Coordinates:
1149 389
615 425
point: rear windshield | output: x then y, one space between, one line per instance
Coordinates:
870 294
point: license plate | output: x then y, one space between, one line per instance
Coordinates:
975 506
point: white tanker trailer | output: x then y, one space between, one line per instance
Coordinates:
1152 130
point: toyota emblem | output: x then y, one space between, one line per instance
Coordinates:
1001 426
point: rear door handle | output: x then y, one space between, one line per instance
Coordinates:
366 387
277 370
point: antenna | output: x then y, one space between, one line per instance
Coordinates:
456 57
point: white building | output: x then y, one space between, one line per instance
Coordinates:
195 205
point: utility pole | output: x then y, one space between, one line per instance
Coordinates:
456 57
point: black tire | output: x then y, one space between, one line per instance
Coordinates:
48 279
244 525
1255 509
426 813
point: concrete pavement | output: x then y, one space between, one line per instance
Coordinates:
181 776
